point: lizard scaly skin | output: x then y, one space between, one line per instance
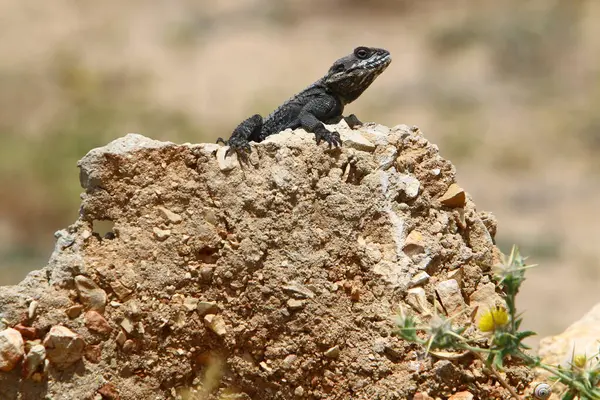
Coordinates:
322 102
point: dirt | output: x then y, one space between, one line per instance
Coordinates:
276 279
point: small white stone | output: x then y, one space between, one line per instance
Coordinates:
229 162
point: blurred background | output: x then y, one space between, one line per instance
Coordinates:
510 91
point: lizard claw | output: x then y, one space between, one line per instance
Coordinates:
239 146
332 138
221 140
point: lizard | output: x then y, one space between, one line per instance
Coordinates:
322 102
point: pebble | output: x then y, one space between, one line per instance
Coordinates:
294 304
190 303
34 360
417 299
462 396
95 322
170 215
63 346
299 290
127 325
299 391
450 296
206 307
161 234
414 243
74 311
12 349
90 295
484 298
422 396
419 278
216 324
27 332
354 139
93 353
121 338
454 197
32 309
333 352
120 290
226 163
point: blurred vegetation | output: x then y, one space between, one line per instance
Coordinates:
90 107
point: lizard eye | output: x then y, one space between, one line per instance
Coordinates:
362 53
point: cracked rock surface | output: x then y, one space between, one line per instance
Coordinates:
281 276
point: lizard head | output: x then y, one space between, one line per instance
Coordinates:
349 76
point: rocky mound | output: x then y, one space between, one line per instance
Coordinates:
277 279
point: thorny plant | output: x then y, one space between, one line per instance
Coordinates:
501 325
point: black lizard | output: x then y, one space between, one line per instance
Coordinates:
321 102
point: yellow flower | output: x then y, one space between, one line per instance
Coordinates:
493 319
580 360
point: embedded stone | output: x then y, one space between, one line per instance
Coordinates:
450 296
454 197
90 295
12 349
95 322
216 324
63 346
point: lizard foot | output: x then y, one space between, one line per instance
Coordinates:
332 138
353 121
239 146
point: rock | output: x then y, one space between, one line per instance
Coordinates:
450 296
227 162
333 352
417 299
170 215
12 349
294 304
190 303
419 279
206 307
285 229
34 361
409 186
161 234
414 243
354 139
27 332
299 391
96 323
32 309
454 197
127 325
462 396
90 295
108 391
582 337
485 298
74 311
216 324
93 353
299 290
63 346
121 338
422 396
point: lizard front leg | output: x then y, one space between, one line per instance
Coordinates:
315 111
239 141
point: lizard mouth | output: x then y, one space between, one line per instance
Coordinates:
378 63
